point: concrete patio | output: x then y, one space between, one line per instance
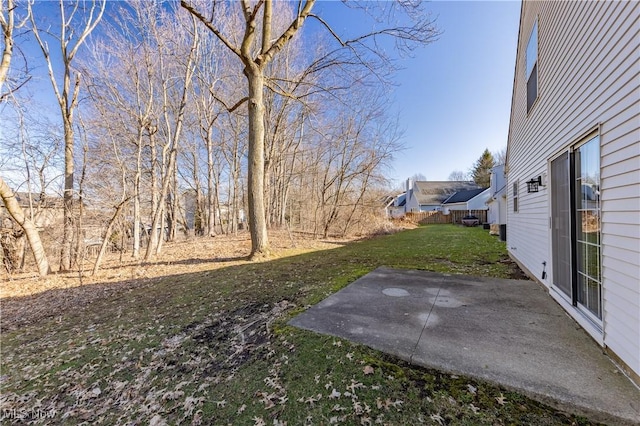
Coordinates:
509 332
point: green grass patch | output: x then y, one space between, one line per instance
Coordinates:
213 348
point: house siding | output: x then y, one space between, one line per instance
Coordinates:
588 80
497 202
479 202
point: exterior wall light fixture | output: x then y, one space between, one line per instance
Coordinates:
534 184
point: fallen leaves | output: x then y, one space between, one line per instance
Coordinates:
501 399
157 420
27 299
355 385
311 400
388 403
334 394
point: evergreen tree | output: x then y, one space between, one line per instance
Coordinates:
481 172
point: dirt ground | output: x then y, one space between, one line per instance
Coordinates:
26 297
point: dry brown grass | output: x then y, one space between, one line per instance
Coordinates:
26 298
191 255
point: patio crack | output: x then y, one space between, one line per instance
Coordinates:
413 352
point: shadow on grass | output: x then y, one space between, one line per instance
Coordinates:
303 279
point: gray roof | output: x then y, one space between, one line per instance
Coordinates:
436 192
464 196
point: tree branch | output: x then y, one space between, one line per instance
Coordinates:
232 108
89 27
266 26
211 27
293 28
328 27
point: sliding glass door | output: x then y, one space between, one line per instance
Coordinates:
587 221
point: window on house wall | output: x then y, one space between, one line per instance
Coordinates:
515 196
532 67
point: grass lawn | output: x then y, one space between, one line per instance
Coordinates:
213 347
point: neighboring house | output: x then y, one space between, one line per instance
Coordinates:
395 206
573 165
470 199
48 216
424 196
47 210
497 202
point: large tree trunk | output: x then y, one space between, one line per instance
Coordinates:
29 227
254 71
257 222
67 229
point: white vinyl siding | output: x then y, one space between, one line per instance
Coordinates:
479 202
589 79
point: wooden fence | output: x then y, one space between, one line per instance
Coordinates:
454 216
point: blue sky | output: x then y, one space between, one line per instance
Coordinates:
454 95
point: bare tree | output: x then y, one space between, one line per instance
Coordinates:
118 208
288 101
418 177
458 175
358 143
500 157
8 25
233 150
124 69
173 124
256 50
254 68
70 40
212 91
